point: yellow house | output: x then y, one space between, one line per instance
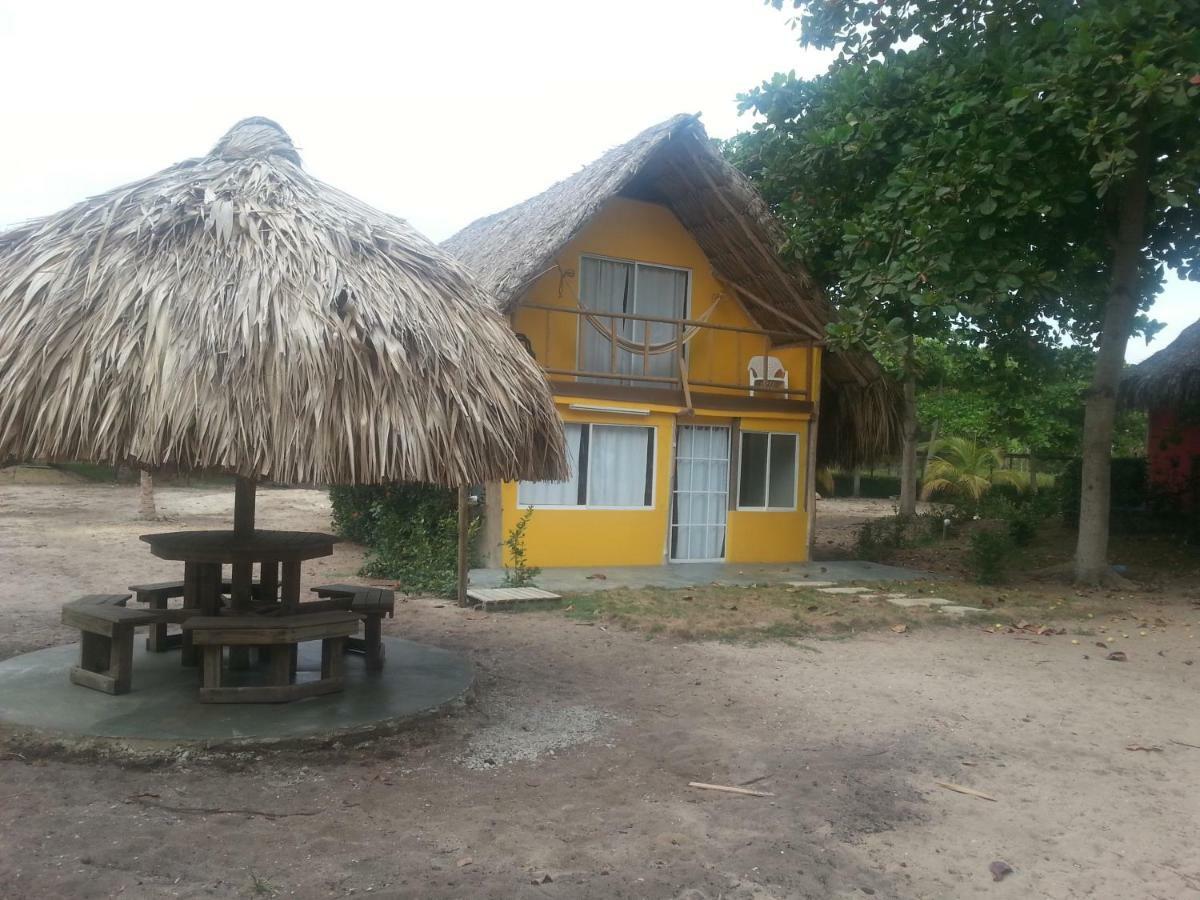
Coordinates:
686 361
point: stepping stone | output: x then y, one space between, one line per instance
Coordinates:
955 610
844 590
916 601
812 584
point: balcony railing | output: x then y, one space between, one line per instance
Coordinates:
679 355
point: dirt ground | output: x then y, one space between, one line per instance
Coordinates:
567 776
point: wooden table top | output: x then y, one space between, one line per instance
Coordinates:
230 547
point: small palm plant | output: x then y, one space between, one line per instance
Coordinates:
961 468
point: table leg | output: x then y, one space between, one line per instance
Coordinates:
268 580
290 594
156 637
281 664
191 600
243 577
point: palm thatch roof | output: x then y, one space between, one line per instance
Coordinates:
676 165
1170 378
233 313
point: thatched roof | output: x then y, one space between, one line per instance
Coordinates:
231 312
1168 379
675 164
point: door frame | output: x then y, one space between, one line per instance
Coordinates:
724 505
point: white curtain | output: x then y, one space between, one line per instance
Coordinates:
701 492
556 493
617 463
636 289
604 286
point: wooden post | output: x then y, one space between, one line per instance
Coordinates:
243 506
464 528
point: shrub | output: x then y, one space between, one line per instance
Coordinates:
878 487
520 574
990 555
1129 486
879 539
410 532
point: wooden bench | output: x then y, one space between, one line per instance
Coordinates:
371 604
281 634
106 639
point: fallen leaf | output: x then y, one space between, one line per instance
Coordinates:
465 861
598 576
1117 656
999 869
1147 749
899 629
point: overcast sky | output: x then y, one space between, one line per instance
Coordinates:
437 112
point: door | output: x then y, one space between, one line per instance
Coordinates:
701 493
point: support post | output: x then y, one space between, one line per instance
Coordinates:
243 506
464 528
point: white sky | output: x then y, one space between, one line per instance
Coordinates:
439 112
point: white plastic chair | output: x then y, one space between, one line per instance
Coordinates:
767 371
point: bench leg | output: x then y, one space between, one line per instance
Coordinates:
281 664
332 664
105 663
156 640
212 665
373 638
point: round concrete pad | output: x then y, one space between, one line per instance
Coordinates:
163 705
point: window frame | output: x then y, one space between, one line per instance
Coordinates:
585 470
579 332
767 478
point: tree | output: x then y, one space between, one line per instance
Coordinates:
146 509
1010 169
961 468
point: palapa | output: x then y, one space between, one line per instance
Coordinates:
234 313
1170 379
675 164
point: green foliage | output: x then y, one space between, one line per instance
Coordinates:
991 555
410 531
520 573
962 469
1129 489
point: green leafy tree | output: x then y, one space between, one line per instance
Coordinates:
1012 169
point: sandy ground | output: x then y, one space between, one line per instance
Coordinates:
571 767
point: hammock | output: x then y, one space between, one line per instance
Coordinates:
596 320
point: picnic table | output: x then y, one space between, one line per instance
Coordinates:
278 555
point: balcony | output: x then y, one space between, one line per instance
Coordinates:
688 363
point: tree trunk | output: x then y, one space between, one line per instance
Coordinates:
856 484
908 453
146 508
1091 550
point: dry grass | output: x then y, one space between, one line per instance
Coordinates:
231 312
764 613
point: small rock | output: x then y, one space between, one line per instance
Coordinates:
999 869
1117 656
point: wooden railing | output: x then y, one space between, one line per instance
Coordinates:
693 362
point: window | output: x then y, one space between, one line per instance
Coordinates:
767 477
633 288
612 466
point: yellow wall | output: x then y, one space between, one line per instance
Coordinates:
629 229
767 535
646 232
602 537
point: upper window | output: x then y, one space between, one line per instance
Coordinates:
629 346
612 466
767 474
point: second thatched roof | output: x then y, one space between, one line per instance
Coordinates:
675 165
231 312
1170 378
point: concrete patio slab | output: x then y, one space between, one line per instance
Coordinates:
915 601
844 590
685 575
955 610
163 705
